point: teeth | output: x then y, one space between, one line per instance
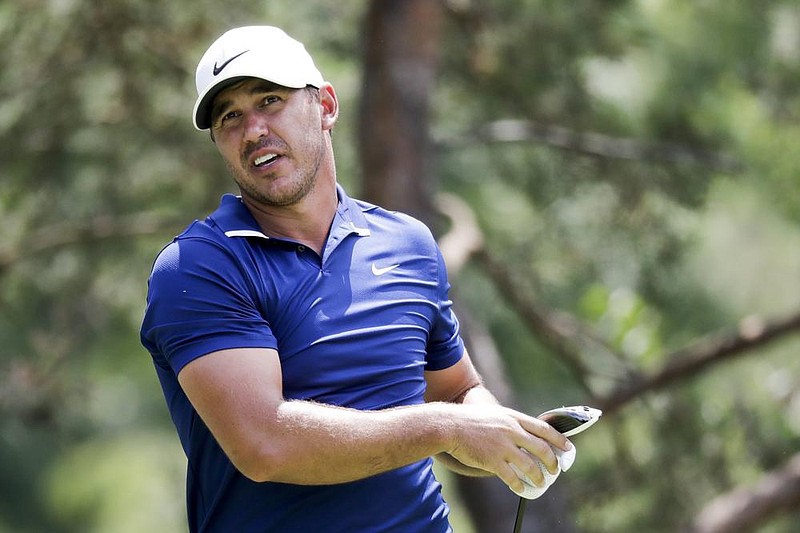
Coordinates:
264 159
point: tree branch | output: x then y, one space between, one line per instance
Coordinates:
745 508
465 238
79 232
553 329
688 362
559 330
591 143
465 241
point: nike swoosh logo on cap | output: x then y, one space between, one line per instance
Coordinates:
381 271
218 69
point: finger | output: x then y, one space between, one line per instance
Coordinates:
537 450
529 466
510 478
545 431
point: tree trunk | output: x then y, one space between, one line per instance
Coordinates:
401 59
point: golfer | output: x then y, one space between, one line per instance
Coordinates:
304 340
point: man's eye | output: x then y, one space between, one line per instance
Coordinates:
271 99
228 116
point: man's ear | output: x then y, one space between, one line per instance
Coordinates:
330 106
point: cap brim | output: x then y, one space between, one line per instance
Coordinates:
202 107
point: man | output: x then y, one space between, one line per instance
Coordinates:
304 340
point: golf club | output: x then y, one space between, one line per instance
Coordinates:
568 421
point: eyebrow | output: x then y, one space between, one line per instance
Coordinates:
262 87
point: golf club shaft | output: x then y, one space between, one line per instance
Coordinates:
520 514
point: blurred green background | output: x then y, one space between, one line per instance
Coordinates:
633 167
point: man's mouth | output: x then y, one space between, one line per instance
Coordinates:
265 160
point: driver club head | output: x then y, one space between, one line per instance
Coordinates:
571 420
568 421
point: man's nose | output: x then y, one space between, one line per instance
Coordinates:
256 126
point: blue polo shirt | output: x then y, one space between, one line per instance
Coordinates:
356 327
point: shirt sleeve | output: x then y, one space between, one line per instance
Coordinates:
445 345
200 301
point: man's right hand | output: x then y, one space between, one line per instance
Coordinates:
492 438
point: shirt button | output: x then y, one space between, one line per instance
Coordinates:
301 248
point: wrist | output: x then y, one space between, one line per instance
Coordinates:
444 418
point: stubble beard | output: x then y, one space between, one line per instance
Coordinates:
299 186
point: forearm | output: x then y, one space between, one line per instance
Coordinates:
334 445
270 439
311 444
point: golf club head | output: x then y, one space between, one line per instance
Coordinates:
571 420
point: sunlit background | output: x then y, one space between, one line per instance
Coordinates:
633 169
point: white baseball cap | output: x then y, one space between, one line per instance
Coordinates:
263 52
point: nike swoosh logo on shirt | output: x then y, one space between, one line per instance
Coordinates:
383 270
218 69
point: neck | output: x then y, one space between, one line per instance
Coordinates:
307 222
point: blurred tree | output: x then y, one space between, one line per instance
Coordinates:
610 122
629 167
394 121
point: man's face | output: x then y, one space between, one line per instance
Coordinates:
271 138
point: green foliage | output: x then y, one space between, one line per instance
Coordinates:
126 484
651 253
101 166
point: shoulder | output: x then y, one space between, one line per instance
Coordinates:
409 227
197 242
214 234
201 251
